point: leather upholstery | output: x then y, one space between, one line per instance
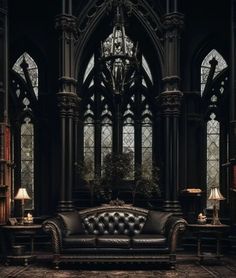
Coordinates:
113 234
71 222
113 241
75 241
113 223
148 241
155 222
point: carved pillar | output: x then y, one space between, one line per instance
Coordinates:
170 100
67 104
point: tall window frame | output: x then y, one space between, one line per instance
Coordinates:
212 72
135 100
24 93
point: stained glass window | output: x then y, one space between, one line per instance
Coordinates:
89 146
106 140
89 67
32 70
27 160
213 154
146 146
147 68
128 140
99 116
205 67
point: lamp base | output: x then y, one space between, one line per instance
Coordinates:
215 217
215 222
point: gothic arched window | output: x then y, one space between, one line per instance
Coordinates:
106 133
98 129
213 154
129 139
213 84
27 159
89 142
24 65
147 137
206 67
24 90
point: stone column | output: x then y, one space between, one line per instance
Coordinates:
170 101
67 104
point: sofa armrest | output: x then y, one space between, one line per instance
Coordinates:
54 227
173 228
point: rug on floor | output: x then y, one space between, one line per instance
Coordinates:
183 269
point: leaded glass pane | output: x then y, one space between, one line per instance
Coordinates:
147 68
128 141
213 155
27 160
106 138
89 67
32 70
146 147
205 67
89 147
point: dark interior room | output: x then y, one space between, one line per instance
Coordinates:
117 138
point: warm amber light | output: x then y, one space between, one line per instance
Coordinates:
215 194
22 194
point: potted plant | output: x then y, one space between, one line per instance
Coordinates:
116 168
147 183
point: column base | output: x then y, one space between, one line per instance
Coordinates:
173 206
65 206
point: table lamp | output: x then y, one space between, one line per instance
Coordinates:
22 195
215 196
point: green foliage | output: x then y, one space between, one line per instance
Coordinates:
147 182
116 168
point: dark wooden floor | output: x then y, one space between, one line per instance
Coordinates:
187 266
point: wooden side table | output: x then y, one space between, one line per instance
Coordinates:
216 231
12 231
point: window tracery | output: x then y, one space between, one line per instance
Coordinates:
213 155
27 160
205 67
24 136
102 108
32 69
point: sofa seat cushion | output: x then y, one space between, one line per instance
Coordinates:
113 241
148 241
75 241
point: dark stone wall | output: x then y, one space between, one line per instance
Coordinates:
31 29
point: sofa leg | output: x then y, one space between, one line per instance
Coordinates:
56 265
172 266
172 261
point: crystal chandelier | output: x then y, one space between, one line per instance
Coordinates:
118 56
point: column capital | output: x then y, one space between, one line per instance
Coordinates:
170 102
67 102
66 23
173 21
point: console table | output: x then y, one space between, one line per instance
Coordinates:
217 231
28 230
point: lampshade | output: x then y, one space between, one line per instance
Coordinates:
22 194
215 194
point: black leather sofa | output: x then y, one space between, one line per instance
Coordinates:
114 234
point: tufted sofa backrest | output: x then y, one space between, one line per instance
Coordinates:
113 220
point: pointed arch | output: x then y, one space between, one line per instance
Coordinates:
206 67
26 63
95 14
